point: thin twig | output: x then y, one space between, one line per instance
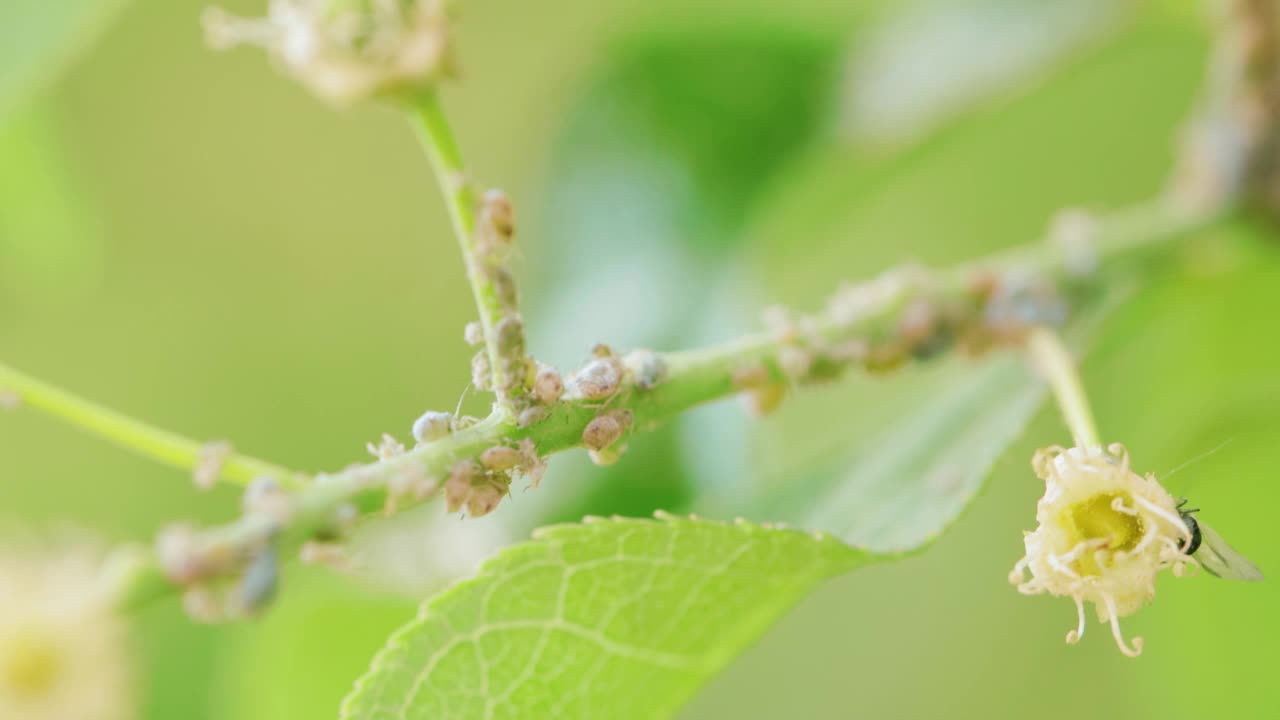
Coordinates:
146 440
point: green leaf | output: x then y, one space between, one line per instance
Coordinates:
903 485
297 661
37 37
617 618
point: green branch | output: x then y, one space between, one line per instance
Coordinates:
1059 369
146 440
882 329
484 269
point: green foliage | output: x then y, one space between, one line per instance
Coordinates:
900 487
38 36
47 241
611 618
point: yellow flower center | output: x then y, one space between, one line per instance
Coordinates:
1099 519
29 665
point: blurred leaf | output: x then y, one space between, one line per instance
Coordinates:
612 618
660 163
48 243
929 59
903 485
37 37
298 661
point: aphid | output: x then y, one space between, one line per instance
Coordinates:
765 399
532 465
209 464
647 368
185 557
497 211
510 334
531 415
433 425
260 580
795 362
203 605
750 376
504 287
481 371
605 430
597 380
547 384
1213 553
781 323
265 498
500 458
473 333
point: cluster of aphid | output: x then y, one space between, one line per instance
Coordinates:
903 315
224 579
509 372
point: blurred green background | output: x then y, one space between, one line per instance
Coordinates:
190 238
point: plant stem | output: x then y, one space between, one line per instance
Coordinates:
460 198
146 440
700 376
1059 368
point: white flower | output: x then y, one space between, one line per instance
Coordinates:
62 648
1104 534
346 50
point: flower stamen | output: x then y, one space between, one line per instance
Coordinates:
1136 650
1073 636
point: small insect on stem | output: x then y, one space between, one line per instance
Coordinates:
432 425
547 384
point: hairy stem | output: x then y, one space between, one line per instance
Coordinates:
1126 243
146 440
1059 369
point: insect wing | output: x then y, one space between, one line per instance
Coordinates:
1220 559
